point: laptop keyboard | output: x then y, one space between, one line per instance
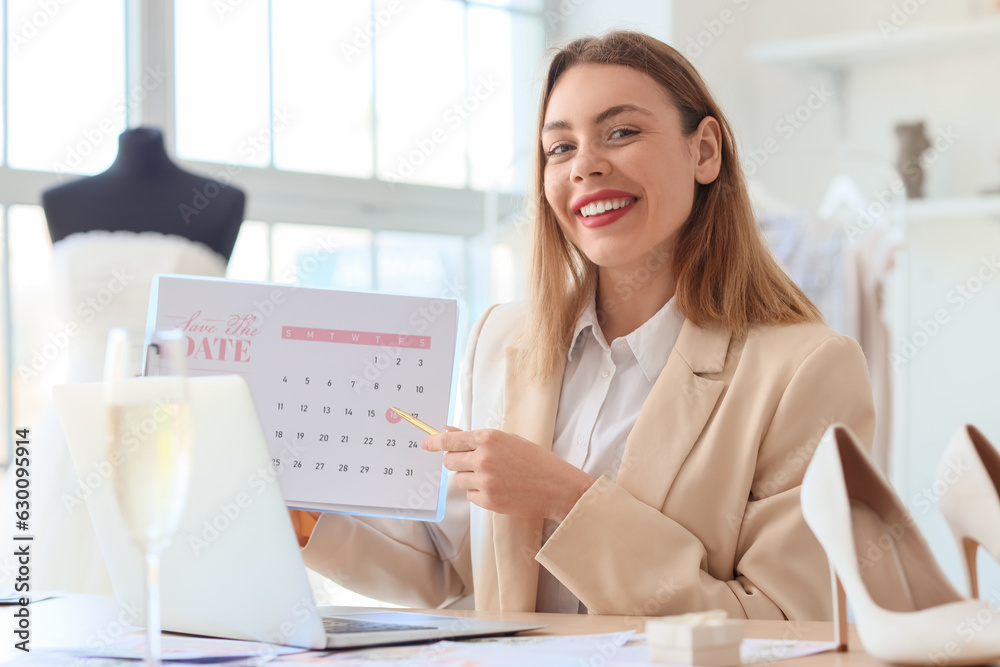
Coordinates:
345 625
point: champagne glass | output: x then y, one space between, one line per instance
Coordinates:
149 421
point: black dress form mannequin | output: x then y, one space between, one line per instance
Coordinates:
144 191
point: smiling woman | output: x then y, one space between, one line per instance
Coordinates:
634 436
629 109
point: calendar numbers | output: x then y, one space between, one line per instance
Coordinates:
324 410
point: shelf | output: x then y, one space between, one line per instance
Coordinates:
953 207
914 43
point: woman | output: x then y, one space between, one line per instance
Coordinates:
658 473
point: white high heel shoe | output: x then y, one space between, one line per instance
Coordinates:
906 610
969 479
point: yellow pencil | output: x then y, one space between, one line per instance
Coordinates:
416 422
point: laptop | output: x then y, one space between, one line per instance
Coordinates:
233 569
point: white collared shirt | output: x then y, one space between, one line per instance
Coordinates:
603 389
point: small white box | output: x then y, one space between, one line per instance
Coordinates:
685 640
719 656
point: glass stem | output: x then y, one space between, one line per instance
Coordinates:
153 649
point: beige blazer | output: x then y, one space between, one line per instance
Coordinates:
704 513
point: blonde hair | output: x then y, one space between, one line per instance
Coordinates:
724 271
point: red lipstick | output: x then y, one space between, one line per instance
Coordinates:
599 196
606 218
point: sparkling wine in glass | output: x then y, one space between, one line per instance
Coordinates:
150 452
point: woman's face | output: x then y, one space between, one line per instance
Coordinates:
619 173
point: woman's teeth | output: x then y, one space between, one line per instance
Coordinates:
598 207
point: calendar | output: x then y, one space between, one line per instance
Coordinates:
324 368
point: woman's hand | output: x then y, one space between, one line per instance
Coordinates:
507 474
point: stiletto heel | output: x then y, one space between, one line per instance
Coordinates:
839 612
968 548
969 479
907 612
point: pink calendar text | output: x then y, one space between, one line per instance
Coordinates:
355 337
218 349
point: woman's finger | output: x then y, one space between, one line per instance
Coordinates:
466 481
458 461
449 441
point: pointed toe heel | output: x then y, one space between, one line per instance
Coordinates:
906 610
967 482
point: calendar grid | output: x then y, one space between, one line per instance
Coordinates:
325 409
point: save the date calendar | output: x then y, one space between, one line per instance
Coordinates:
324 368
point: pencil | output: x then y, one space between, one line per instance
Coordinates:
416 422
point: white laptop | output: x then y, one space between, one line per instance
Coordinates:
233 569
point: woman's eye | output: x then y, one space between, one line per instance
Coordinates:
623 132
558 149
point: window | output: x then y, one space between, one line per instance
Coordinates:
223 103
359 89
365 133
422 143
320 256
325 122
65 91
504 50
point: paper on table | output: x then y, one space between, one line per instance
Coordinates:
52 658
752 651
9 597
621 649
766 650
566 651
132 646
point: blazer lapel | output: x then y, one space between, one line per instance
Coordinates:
674 414
530 412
